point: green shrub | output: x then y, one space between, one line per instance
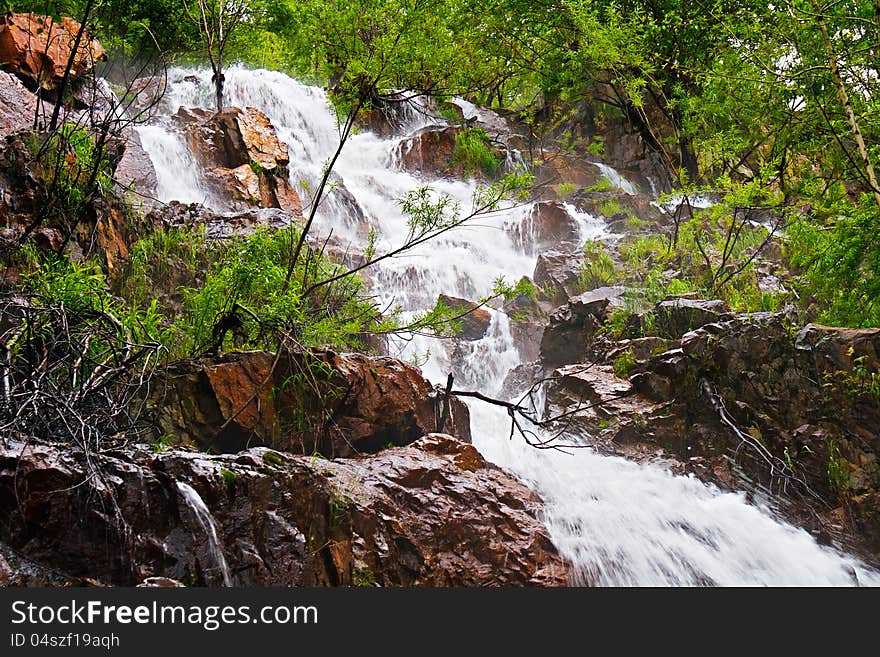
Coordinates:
474 152
624 364
598 268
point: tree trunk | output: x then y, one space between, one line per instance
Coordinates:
689 158
218 83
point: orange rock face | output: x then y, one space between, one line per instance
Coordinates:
38 48
335 404
246 162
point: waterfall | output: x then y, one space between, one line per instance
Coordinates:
176 168
616 179
617 522
207 524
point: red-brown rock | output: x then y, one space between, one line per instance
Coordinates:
335 404
474 321
548 226
246 162
431 514
429 152
38 48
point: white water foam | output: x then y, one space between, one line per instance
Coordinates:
616 178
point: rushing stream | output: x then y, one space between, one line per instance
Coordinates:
618 522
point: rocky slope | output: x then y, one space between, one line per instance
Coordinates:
380 486
430 514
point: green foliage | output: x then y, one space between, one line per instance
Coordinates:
563 189
611 207
338 510
228 476
251 272
474 152
72 168
523 288
597 146
838 471
602 185
163 443
840 261
82 289
598 268
624 364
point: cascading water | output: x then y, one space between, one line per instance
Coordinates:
616 179
618 522
206 523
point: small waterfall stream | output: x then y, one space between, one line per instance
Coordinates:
618 522
208 525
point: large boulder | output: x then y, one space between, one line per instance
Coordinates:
557 274
568 337
334 404
37 48
134 172
752 402
433 152
430 152
556 171
675 317
547 226
245 161
594 396
431 514
474 320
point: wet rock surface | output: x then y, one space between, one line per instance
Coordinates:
17 105
244 160
474 320
548 225
334 404
749 403
431 514
569 335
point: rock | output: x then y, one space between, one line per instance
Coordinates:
749 402
558 169
475 323
641 348
548 226
37 48
594 396
363 404
431 514
557 274
527 319
246 162
145 95
6 572
233 137
568 336
835 348
217 225
250 134
430 152
675 317
135 172
387 118
241 183
18 106
521 378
